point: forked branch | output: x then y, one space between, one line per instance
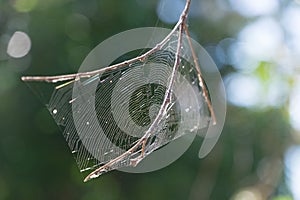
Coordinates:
140 144
164 106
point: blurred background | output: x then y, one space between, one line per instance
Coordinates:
256 46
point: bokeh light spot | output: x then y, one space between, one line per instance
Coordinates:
239 58
243 90
223 49
25 5
19 45
290 20
169 10
252 8
78 27
292 164
277 92
248 194
263 38
294 108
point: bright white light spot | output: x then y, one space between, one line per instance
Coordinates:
290 20
169 10
249 194
252 8
294 108
243 90
263 38
277 92
248 91
54 111
239 57
19 45
292 164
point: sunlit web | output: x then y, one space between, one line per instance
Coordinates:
105 115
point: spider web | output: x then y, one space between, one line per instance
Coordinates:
103 116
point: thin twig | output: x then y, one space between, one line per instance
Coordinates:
57 78
201 81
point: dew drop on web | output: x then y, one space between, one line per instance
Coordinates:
54 111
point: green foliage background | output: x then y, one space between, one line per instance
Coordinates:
35 161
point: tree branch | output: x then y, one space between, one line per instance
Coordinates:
140 144
163 107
